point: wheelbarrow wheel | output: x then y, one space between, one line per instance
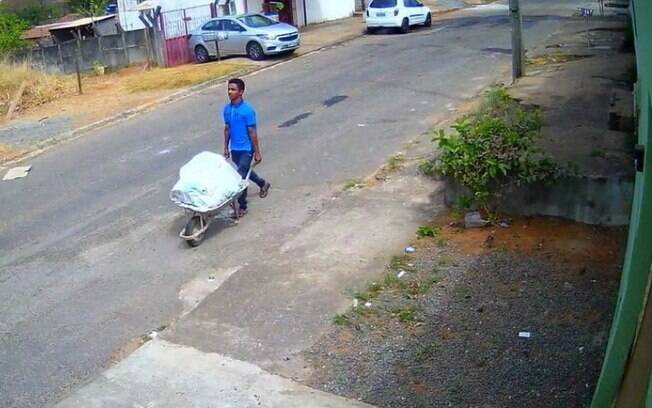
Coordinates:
194 225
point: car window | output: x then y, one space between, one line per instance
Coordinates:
215 25
256 21
410 3
230 25
382 4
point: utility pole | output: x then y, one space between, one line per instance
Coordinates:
517 40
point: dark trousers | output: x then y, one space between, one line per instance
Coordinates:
242 160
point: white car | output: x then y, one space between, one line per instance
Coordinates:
397 14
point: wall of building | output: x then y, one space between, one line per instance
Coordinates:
319 11
634 291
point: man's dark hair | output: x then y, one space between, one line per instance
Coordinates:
238 82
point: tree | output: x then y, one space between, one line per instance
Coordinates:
11 31
37 13
89 8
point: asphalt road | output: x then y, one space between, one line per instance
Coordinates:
89 256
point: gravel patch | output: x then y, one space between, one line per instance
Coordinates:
447 334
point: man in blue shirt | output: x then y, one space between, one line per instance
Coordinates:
241 139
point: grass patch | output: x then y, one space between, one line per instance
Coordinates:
395 162
178 77
399 262
428 231
427 168
407 314
341 320
353 184
554 58
391 281
40 87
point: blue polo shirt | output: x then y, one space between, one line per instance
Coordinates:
239 117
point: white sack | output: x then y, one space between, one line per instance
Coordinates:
206 182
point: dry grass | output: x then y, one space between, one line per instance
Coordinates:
555 58
9 152
41 87
179 77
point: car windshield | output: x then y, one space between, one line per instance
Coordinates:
383 4
256 21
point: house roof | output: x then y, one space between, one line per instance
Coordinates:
81 22
41 31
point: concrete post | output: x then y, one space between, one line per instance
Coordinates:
517 41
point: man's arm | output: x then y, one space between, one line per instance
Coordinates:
253 136
227 138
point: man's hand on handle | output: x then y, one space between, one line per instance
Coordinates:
227 153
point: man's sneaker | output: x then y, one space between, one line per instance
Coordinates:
264 190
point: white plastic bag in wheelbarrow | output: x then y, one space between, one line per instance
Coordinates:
206 182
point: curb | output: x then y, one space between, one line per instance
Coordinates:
44 145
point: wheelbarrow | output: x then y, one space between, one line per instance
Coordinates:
198 221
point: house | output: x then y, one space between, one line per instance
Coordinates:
48 34
181 16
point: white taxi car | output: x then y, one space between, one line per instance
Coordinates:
401 14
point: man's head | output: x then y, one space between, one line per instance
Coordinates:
236 88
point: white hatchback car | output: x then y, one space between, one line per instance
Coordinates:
397 14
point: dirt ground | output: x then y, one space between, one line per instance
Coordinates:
446 333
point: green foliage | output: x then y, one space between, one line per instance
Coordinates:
36 14
427 167
428 231
88 8
11 30
495 148
395 162
342 320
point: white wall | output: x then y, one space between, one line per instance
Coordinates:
319 11
198 10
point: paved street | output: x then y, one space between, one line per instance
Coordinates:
89 257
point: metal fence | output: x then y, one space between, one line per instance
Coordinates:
176 25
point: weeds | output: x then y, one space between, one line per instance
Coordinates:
341 320
353 184
407 314
428 231
40 87
395 162
427 168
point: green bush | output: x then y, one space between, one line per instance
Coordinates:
36 13
494 148
11 30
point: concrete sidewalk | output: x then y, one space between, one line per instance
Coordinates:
162 374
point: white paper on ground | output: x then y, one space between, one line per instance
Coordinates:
17 172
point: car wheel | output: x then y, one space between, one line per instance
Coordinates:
255 51
405 26
371 30
201 54
428 22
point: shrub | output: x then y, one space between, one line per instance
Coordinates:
494 148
